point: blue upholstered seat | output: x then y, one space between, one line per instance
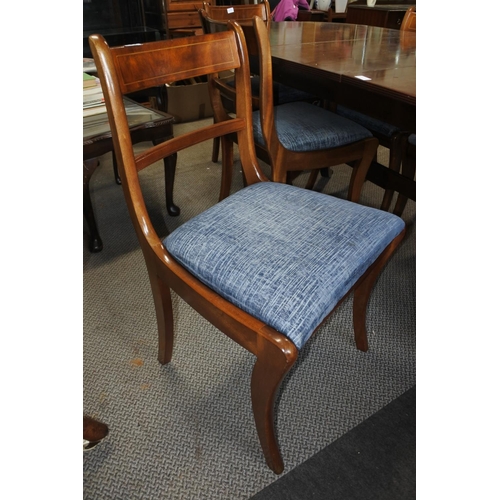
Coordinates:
378 126
305 127
284 254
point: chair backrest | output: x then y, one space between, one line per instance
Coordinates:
409 22
259 46
238 12
132 68
210 25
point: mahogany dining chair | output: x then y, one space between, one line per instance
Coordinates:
300 136
268 264
245 13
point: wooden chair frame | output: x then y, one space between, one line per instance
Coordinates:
240 13
130 68
408 169
283 161
409 22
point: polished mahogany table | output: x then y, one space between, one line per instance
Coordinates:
367 68
145 124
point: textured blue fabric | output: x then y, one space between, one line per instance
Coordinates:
284 254
302 126
370 123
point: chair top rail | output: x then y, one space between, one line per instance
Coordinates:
148 65
238 12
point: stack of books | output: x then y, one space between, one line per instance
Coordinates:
93 98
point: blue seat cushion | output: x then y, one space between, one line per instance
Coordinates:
284 254
378 126
302 126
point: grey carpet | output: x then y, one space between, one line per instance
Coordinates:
186 430
374 461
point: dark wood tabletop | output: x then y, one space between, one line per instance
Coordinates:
367 68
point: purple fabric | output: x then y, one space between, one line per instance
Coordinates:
289 8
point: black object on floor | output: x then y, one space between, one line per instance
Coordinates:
375 460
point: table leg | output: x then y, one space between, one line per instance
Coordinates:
89 167
93 432
170 164
115 169
390 179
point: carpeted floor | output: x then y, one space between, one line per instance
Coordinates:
374 461
186 430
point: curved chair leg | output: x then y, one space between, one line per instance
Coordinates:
360 169
272 364
170 163
363 291
89 166
394 164
311 181
400 205
408 169
164 318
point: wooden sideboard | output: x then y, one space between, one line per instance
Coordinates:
383 14
182 17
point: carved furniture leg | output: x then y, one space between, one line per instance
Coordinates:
170 164
408 169
360 169
164 317
89 167
93 432
272 364
363 291
311 180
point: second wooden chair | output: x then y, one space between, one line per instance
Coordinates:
267 265
245 13
299 136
